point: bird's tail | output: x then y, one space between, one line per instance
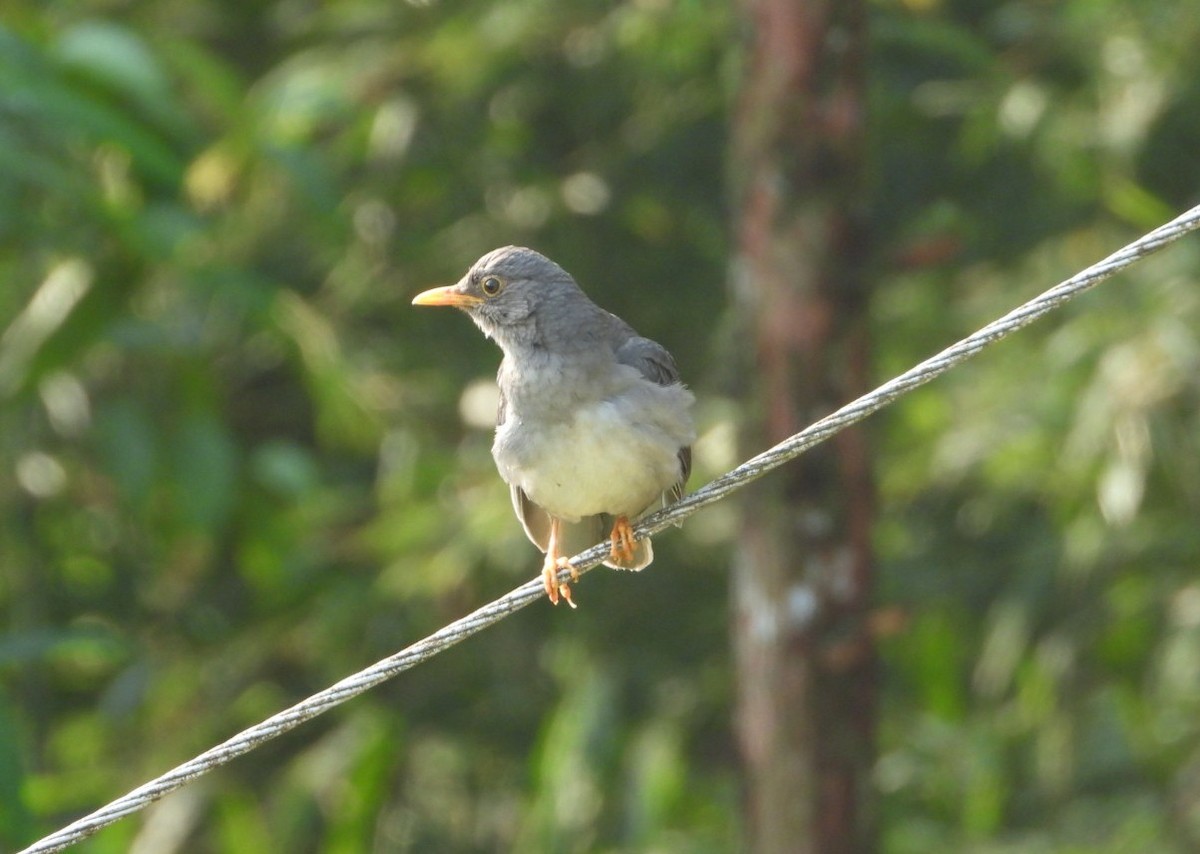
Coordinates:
643 553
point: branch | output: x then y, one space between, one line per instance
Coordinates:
715 491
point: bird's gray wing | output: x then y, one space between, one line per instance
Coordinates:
657 365
649 357
534 519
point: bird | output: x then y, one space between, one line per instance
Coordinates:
594 426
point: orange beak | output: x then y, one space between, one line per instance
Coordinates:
453 295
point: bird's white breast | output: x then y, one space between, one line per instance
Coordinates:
608 458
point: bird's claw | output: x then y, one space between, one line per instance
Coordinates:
554 588
622 545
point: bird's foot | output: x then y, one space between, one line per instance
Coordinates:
554 588
622 545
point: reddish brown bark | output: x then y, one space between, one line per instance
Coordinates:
802 579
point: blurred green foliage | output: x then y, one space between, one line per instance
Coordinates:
238 467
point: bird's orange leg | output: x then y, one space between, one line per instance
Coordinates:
550 567
622 545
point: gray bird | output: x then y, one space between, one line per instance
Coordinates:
594 427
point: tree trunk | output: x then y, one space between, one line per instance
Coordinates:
802 579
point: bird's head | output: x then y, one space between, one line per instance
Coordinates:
512 294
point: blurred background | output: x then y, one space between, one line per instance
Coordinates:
238 466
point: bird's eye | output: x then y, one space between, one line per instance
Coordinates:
491 286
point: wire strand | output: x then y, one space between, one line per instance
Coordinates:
718 489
